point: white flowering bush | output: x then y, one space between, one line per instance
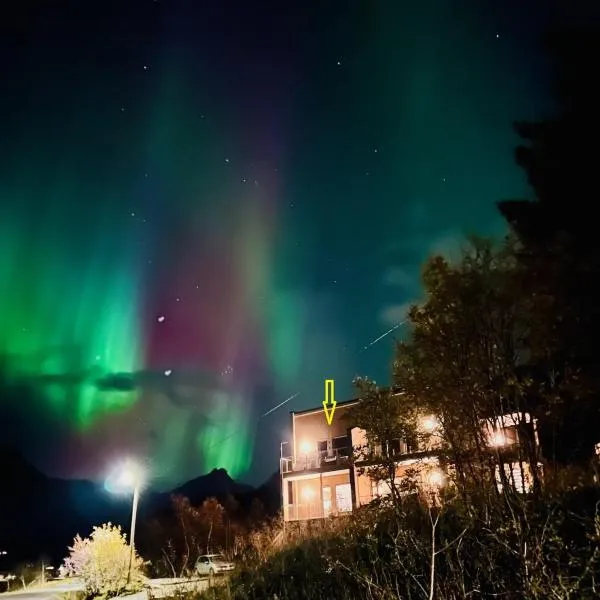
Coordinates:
102 562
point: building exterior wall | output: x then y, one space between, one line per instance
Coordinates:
364 486
325 477
311 428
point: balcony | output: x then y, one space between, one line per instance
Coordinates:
315 461
309 511
395 448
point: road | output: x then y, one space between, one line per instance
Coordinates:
50 592
55 590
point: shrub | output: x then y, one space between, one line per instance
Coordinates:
102 562
510 548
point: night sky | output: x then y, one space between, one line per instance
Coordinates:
208 207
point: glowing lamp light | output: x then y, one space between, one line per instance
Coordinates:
498 439
429 423
436 478
305 447
126 477
308 493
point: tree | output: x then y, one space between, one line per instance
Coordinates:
466 360
211 518
102 561
384 416
558 243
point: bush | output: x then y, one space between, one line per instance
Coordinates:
102 562
508 548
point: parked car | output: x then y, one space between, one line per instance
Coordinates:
213 564
5 581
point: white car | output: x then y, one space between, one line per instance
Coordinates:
213 564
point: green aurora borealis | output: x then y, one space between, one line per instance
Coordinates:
268 182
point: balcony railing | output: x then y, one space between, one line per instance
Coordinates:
308 511
316 460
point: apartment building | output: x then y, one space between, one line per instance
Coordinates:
322 474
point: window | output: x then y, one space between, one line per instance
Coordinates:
290 485
340 442
343 497
397 446
517 477
403 486
341 446
394 447
327 500
322 446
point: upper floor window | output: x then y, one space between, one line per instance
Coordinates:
337 445
396 447
339 442
503 437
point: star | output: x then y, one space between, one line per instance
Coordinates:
161 318
497 36
168 372
227 160
146 67
339 63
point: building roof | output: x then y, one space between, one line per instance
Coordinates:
316 409
343 403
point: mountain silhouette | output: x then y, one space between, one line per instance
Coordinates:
217 483
40 515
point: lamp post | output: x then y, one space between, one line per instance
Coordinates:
129 477
136 497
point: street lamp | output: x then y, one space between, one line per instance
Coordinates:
128 476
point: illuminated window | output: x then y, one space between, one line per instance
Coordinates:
382 488
503 437
517 477
327 500
343 497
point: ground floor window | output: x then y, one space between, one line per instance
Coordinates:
343 497
327 500
517 475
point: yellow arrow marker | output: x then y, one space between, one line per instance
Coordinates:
329 402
